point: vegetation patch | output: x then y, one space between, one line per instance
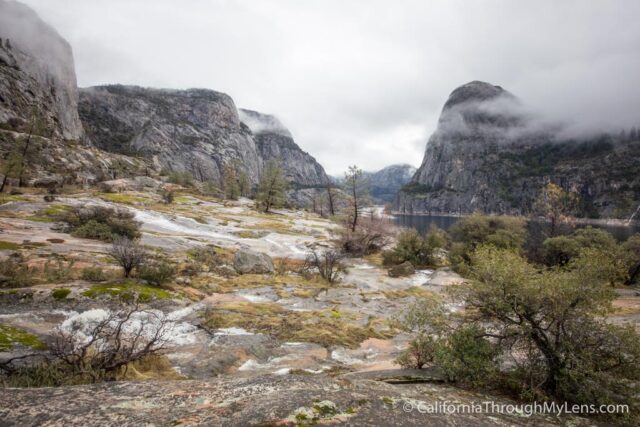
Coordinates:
10 336
60 293
127 199
8 246
128 290
415 291
319 327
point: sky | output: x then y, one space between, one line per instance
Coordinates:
363 81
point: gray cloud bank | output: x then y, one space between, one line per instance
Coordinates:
364 81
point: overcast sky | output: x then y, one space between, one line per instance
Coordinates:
363 81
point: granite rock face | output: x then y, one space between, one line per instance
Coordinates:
488 154
385 183
194 130
275 142
36 73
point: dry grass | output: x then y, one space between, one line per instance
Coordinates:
155 367
327 328
415 291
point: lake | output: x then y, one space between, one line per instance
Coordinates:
422 223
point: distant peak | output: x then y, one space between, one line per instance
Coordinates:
475 91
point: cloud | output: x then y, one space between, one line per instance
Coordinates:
364 81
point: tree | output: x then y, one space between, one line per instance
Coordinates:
556 205
244 182
558 314
631 252
356 189
14 165
549 323
272 186
128 253
230 182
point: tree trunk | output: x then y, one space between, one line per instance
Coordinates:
24 156
355 206
635 271
330 196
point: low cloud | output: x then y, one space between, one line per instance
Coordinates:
364 81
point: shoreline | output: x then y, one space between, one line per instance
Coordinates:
616 222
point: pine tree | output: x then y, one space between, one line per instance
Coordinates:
230 182
271 190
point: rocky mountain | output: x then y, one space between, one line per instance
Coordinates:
87 135
194 130
489 154
385 183
36 74
274 141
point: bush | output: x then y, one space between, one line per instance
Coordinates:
157 273
466 356
476 230
181 178
168 195
119 340
60 293
93 274
421 351
560 250
328 264
14 272
100 223
58 271
631 254
128 253
371 236
419 251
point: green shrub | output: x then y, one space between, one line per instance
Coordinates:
414 248
60 293
560 250
93 230
181 178
467 356
157 273
101 223
475 230
93 274
631 256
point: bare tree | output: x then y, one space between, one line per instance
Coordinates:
355 186
128 253
97 351
330 198
328 263
111 343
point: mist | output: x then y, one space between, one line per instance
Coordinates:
364 81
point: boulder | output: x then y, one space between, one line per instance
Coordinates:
246 261
404 269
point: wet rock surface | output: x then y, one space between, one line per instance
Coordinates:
265 400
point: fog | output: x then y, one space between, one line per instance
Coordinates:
364 81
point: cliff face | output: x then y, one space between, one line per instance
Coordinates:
385 183
274 141
488 155
36 73
193 130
